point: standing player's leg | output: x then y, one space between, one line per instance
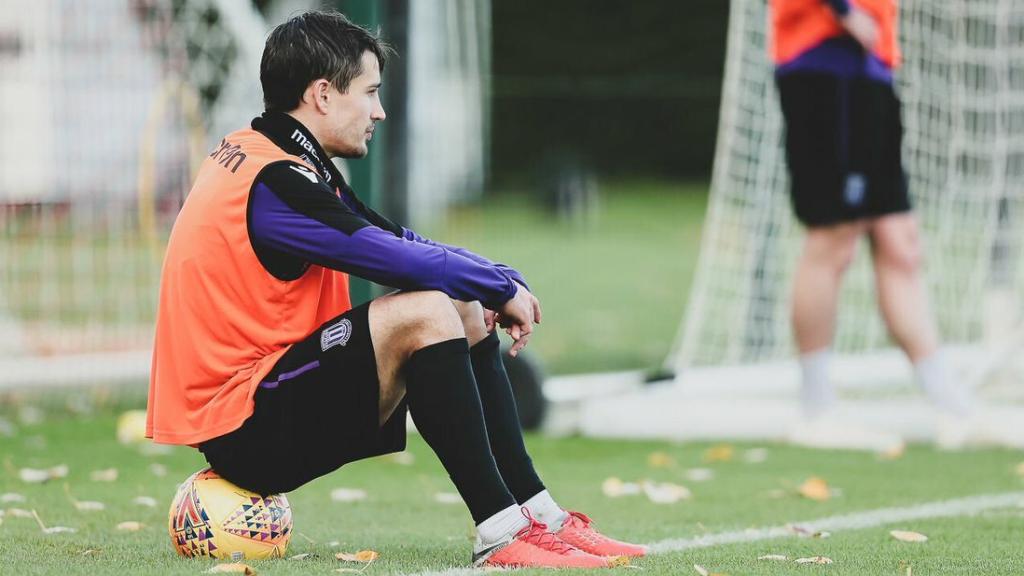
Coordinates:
506 440
903 300
422 354
827 254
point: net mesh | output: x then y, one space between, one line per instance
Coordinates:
962 87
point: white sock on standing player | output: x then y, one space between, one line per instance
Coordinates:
942 389
816 392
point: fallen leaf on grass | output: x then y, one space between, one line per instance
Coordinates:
614 488
660 460
89 505
38 476
304 556
19 513
9 497
704 571
719 453
158 470
1020 469
755 455
401 458
907 536
233 568
364 556
348 494
131 427
90 552
52 529
699 474
805 532
894 453
107 475
447 498
147 501
815 488
776 557
814 560
666 492
130 526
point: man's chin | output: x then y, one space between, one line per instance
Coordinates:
354 154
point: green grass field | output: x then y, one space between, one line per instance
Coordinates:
413 533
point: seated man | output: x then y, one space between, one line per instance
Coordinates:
258 348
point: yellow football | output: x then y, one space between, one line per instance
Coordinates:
212 517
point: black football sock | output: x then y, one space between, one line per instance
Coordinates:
445 406
502 420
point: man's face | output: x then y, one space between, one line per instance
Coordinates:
352 114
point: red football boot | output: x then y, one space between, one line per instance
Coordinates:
579 531
535 547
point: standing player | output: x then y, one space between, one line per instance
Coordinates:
258 350
834 69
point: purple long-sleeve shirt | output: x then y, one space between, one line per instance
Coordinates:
299 217
841 56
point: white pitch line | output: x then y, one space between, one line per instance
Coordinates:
879 517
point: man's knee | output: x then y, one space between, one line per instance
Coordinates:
833 247
415 319
896 245
471 314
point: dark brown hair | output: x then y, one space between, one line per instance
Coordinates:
310 46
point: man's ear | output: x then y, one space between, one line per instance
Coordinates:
317 94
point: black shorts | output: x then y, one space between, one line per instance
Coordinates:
843 139
317 410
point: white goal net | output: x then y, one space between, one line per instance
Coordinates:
962 86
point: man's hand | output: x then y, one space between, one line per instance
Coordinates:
862 27
517 317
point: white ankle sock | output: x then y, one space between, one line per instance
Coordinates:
545 510
502 525
938 383
816 392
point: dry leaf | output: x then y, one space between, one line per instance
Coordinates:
89 505
447 498
814 560
131 427
906 536
158 470
755 455
1020 469
59 530
302 556
147 501
364 556
33 475
233 568
619 562
59 471
613 488
701 570
699 474
19 513
9 497
660 460
130 526
666 492
107 475
90 552
776 557
719 453
348 494
815 488
893 453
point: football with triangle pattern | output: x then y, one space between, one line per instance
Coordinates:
212 517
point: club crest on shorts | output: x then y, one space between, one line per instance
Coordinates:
336 335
